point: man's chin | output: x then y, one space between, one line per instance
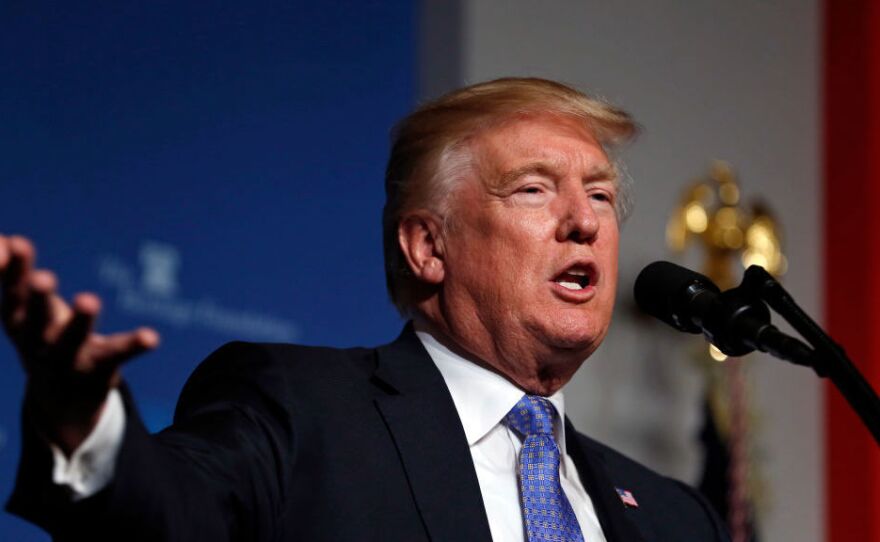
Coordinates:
578 342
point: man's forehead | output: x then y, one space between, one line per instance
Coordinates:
545 144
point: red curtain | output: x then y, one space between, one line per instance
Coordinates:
852 255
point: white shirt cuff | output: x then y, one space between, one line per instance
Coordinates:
90 468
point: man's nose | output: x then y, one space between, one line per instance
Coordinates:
578 220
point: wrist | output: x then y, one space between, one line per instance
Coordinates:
63 418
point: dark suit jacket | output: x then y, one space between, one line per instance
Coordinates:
284 442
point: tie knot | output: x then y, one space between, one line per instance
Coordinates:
532 415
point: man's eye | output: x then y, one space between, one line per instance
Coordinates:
532 190
601 196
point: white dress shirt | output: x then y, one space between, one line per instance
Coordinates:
483 398
90 467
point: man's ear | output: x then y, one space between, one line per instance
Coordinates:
420 236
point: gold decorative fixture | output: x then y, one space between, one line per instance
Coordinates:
710 213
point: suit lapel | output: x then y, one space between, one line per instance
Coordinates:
597 481
425 427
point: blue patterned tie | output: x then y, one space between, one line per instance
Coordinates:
546 510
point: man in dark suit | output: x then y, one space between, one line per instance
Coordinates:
501 232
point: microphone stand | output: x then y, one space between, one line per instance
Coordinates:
827 358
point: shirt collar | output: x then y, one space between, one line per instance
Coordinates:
482 397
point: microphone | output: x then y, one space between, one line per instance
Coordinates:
735 322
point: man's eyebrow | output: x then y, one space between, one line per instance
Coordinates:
607 172
533 167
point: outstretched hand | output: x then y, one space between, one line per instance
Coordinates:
70 367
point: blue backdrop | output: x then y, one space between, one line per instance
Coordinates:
213 170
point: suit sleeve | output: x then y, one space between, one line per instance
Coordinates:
219 473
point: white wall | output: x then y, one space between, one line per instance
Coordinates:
737 81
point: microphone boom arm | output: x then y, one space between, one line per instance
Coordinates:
827 358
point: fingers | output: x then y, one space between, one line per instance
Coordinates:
39 314
51 335
106 353
15 279
86 308
4 253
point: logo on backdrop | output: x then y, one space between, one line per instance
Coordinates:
150 289
159 265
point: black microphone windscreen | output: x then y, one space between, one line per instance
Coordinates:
661 290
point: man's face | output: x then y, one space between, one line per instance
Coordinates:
531 250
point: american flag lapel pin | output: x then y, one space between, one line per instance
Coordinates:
627 498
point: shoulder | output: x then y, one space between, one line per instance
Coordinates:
668 509
245 372
276 360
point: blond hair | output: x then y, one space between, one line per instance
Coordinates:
429 153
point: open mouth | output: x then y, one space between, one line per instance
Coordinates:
576 277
